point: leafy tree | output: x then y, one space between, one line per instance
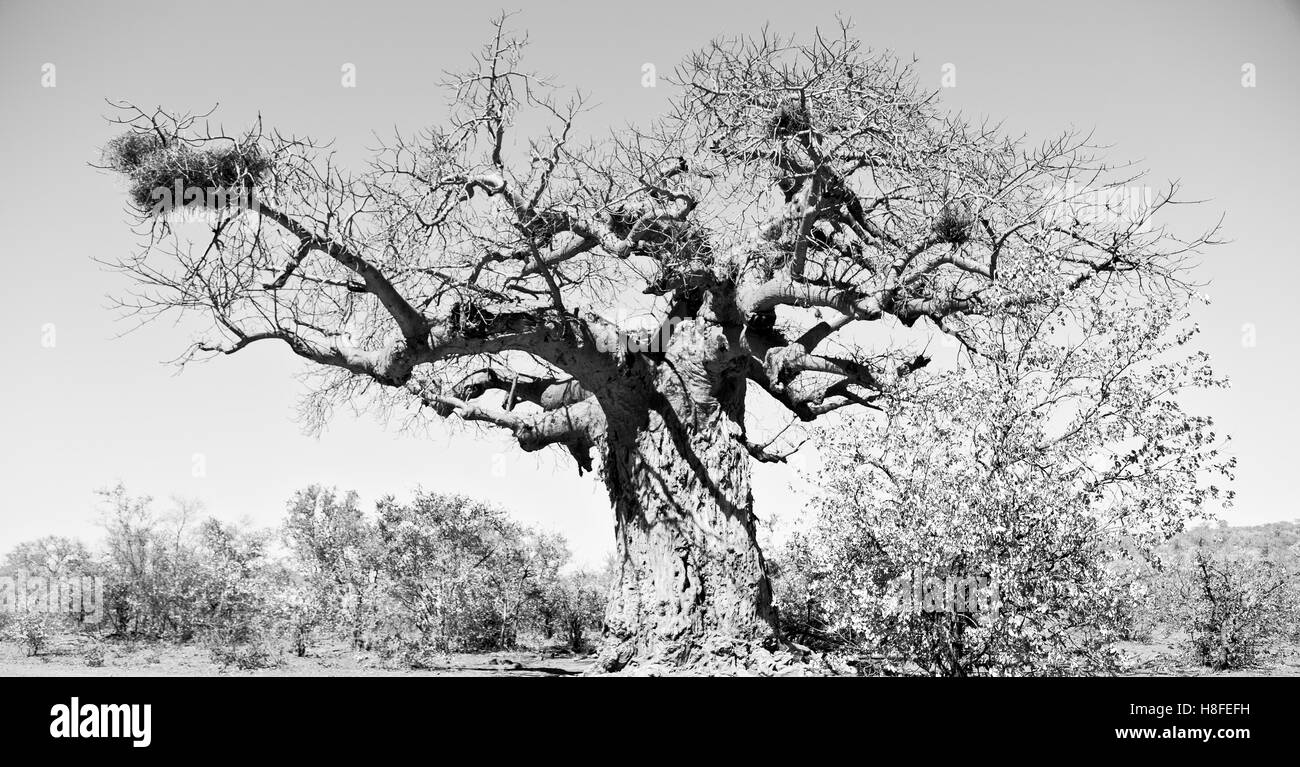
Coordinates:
33 631
52 556
175 576
575 602
1232 607
297 611
991 521
797 199
336 549
522 574
462 571
434 548
152 568
56 558
235 583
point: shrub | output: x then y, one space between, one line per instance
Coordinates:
248 656
297 613
94 657
441 574
459 573
171 578
1233 609
336 552
33 631
575 604
410 653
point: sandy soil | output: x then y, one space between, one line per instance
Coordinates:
1163 658
66 657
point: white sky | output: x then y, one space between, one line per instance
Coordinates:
1160 81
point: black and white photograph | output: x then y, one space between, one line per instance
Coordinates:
367 351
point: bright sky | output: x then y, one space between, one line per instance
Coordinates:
1160 81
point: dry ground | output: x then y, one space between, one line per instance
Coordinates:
67 658
1158 658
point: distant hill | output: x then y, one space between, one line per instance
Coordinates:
1278 542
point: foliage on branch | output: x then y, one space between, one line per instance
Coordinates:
993 519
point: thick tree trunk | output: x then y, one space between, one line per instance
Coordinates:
692 585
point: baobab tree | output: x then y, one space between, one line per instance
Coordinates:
497 269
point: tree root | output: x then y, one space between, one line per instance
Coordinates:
720 656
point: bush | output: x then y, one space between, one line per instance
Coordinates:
437 575
246 657
33 631
574 604
404 653
336 553
1233 609
171 578
297 613
94 657
459 573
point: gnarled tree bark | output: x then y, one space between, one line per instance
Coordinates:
692 581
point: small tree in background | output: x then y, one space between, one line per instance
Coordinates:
578 599
55 558
298 611
336 551
235 586
52 556
462 573
151 565
521 573
33 631
1233 607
